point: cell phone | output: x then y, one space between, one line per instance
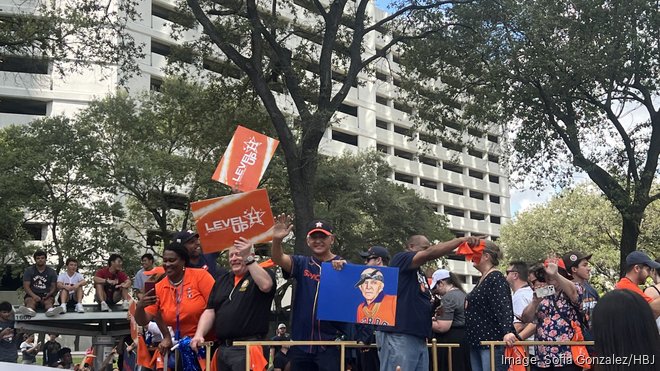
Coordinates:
148 286
544 291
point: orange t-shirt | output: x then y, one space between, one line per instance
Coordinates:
378 313
626 284
193 294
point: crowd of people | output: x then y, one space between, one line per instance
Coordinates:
191 296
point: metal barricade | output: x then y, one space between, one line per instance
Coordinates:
493 344
342 349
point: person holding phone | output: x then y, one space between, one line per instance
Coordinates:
178 300
554 308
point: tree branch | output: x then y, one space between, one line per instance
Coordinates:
409 8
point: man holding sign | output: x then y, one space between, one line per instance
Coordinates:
307 272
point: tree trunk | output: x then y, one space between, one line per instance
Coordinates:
302 194
629 237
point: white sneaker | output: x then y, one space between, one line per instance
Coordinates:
63 306
80 308
23 310
54 311
105 307
125 305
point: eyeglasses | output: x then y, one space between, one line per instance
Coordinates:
371 258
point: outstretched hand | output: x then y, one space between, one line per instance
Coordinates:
283 226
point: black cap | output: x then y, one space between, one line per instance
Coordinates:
638 257
370 274
378 251
572 258
318 225
185 236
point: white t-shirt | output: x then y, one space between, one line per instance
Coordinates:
521 300
69 280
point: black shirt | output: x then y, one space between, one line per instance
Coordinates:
488 310
280 360
243 310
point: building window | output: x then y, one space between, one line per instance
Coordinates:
428 161
477 195
382 124
404 178
494 179
401 130
493 138
495 219
452 167
404 154
382 148
477 216
345 138
493 158
475 153
457 233
475 132
23 106
381 76
495 199
382 100
428 183
452 145
454 211
475 174
349 110
20 64
453 189
428 138
35 231
155 83
403 107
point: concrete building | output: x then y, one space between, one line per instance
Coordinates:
466 184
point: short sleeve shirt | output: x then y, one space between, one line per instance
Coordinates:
626 284
554 318
106 274
521 300
24 350
8 343
453 308
68 281
188 299
413 310
488 310
307 272
140 277
40 282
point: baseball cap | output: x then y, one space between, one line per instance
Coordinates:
318 225
281 325
572 258
185 236
378 251
370 274
639 257
440 274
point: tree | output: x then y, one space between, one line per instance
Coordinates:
72 34
158 150
580 219
308 56
44 175
565 76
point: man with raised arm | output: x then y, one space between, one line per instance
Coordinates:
404 344
307 272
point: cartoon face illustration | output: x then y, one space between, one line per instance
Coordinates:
371 284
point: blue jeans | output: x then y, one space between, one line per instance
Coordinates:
407 351
480 358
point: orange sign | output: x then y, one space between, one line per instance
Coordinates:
220 221
245 160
